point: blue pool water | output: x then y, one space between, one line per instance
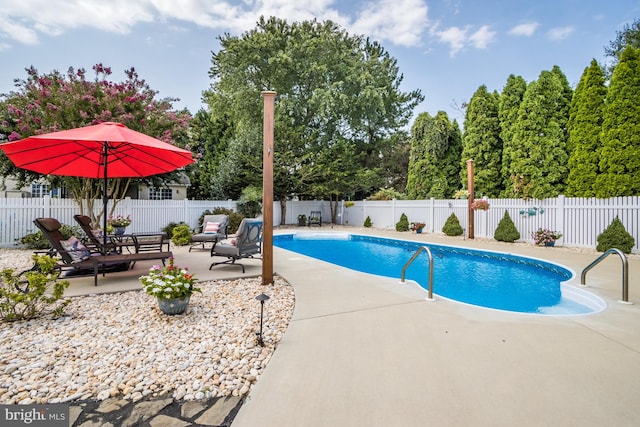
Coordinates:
487 279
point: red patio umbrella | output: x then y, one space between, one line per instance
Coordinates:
106 150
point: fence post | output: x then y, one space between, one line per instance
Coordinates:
46 206
560 214
432 214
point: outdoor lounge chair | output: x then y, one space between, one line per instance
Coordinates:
213 228
93 236
76 258
246 243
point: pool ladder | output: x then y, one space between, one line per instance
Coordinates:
625 272
415 255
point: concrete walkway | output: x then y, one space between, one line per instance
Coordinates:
363 350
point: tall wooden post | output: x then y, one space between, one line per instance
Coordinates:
267 188
470 185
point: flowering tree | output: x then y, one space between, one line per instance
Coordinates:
55 101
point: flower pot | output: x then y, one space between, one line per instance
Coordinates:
118 231
550 244
419 231
173 306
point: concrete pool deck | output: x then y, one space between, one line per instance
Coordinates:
362 350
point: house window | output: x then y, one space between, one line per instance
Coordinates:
39 190
160 194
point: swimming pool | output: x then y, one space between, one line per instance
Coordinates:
482 278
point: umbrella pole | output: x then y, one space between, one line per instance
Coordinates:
104 197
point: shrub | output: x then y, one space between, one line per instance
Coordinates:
452 227
181 235
250 203
403 224
235 218
367 222
615 236
25 295
168 229
38 241
386 194
506 231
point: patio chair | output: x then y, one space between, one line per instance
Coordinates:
246 243
93 236
213 228
315 218
78 259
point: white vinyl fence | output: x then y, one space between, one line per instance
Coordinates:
580 220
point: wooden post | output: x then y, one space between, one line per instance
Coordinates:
267 188
470 185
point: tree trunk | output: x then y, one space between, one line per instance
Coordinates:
283 211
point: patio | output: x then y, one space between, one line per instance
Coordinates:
363 350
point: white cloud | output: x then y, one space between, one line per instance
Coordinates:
457 38
454 36
401 22
524 29
560 33
481 38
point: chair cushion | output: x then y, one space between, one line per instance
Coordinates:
211 228
77 251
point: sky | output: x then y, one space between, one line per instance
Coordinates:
445 48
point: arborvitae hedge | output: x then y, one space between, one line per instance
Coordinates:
452 227
506 231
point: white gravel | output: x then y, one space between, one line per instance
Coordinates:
121 345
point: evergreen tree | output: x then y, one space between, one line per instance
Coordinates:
508 106
481 142
434 162
539 158
620 154
584 126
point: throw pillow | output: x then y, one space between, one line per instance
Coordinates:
211 228
76 250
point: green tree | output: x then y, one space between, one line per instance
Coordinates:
434 163
210 135
50 102
629 36
336 94
508 106
482 143
584 128
620 154
538 166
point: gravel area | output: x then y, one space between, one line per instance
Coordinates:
121 345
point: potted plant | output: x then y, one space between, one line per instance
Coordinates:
546 237
302 220
171 285
119 223
417 226
480 204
